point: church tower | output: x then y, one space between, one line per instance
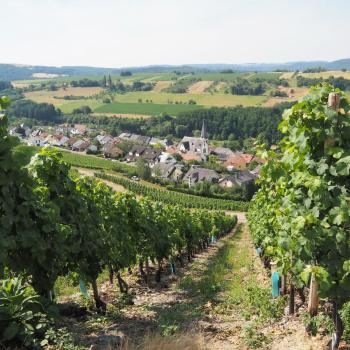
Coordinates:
204 139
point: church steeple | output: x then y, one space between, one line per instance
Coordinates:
204 134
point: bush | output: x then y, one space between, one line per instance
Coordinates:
23 321
345 317
321 323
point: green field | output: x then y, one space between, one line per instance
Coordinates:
148 103
145 108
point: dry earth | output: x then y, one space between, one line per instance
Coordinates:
162 84
199 86
294 94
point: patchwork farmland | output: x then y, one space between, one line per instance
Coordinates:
171 92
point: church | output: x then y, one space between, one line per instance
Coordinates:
195 148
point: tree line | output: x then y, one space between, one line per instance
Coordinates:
339 82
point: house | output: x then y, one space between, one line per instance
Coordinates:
197 174
63 129
111 149
79 129
20 131
61 141
81 145
195 145
222 153
71 141
163 170
166 158
134 138
237 179
150 155
103 139
135 152
235 161
168 171
35 141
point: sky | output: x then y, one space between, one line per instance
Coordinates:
126 33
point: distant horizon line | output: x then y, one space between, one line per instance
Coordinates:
26 65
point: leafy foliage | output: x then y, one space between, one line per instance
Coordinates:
300 216
22 316
172 197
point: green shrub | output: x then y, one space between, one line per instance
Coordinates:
61 338
23 321
345 317
320 323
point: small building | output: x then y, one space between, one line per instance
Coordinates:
235 161
166 171
151 156
79 129
103 139
197 174
35 141
111 149
166 158
135 152
81 145
222 153
134 138
237 179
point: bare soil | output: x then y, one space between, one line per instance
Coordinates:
199 86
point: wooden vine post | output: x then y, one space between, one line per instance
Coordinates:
334 100
291 299
283 285
313 297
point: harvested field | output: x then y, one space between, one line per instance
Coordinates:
70 91
162 85
294 94
199 86
325 75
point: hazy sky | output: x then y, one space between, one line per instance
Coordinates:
117 33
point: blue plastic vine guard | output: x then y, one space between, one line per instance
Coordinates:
83 289
275 289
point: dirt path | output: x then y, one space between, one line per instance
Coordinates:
206 301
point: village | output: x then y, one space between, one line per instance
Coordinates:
183 162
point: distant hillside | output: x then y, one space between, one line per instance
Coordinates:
20 72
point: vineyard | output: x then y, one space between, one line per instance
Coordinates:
300 217
54 224
175 198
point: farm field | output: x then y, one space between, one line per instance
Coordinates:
161 102
294 96
200 86
145 108
327 74
207 90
